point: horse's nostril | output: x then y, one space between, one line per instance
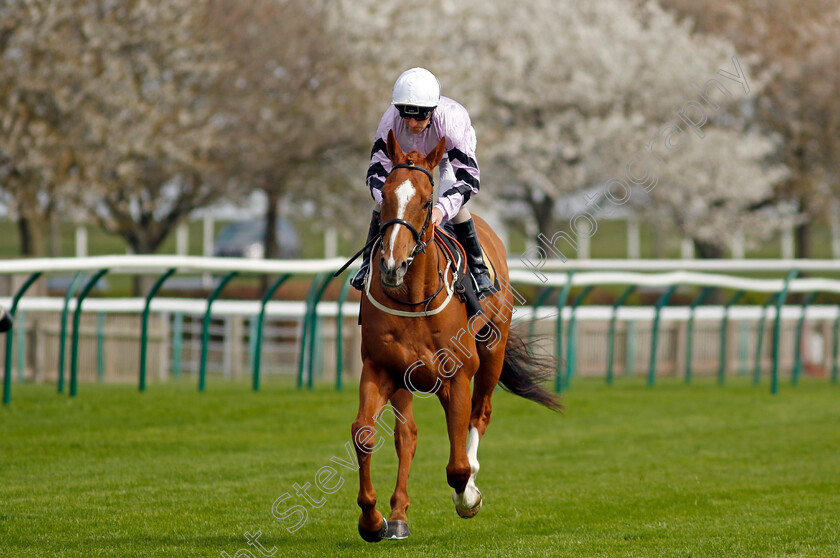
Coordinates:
404 267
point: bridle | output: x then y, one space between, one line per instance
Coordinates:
420 246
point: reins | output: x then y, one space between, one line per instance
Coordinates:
420 246
443 283
439 231
426 300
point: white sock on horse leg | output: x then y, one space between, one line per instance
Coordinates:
470 496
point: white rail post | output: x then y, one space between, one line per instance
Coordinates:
633 243
208 230
81 241
182 239
738 251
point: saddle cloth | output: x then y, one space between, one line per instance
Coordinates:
464 278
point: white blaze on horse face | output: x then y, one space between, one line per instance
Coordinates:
405 192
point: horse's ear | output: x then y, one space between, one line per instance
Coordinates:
436 155
393 147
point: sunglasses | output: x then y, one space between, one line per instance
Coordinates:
415 112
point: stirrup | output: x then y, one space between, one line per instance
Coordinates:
358 280
481 280
467 236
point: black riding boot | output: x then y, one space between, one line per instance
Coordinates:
358 280
469 240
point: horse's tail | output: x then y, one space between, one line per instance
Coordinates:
523 373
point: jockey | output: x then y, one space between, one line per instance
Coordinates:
420 116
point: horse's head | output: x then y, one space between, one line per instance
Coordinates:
407 202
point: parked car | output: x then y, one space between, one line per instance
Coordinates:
244 239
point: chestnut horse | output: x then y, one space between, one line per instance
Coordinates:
417 338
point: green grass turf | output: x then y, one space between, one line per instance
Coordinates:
630 470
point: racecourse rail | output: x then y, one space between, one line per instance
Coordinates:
554 276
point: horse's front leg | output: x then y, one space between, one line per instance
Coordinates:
456 402
374 390
405 440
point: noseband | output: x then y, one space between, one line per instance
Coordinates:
420 246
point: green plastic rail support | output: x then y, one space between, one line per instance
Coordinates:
7 373
561 302
205 331
257 362
630 352
663 300
689 334
63 336
304 330
835 347
313 330
724 329
541 298
177 343
743 347
252 341
760 339
797 366
339 337
611 336
20 320
777 330
144 332
100 347
571 355
77 318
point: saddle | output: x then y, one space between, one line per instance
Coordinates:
464 281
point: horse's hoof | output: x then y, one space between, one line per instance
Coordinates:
470 512
374 536
397 530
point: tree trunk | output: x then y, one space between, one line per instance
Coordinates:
802 240
802 249
142 244
543 212
708 251
31 237
271 248
143 284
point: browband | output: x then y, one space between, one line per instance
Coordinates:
412 166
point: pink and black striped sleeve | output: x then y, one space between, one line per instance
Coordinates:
380 164
460 150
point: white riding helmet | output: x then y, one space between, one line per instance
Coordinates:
416 87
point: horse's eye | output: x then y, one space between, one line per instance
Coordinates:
427 205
